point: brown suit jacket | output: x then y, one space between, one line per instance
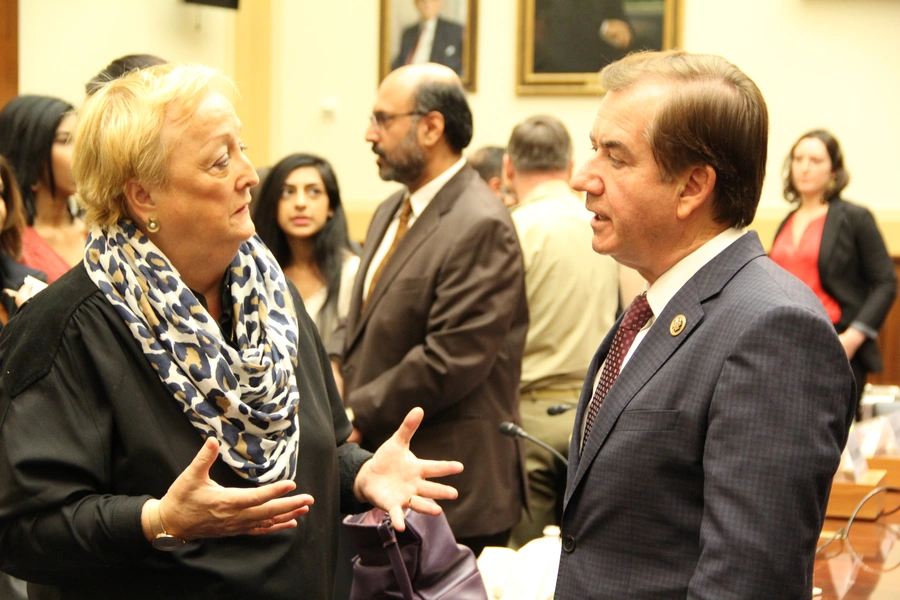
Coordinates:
445 329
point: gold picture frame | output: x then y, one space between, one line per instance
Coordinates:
561 43
454 42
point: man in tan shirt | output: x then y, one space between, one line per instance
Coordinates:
572 297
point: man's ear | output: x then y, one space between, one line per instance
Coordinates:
433 130
699 184
138 201
508 168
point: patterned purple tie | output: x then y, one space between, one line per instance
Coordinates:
636 316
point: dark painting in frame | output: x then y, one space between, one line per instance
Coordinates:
453 37
562 44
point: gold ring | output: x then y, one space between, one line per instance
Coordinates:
409 502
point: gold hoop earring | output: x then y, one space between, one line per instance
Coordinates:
152 225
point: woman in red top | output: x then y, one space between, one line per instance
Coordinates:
836 249
36 138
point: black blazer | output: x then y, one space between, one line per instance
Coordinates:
857 271
446 50
12 276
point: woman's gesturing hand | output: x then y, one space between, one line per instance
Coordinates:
395 479
197 507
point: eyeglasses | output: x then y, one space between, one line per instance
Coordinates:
380 119
871 535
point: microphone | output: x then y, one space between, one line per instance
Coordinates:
514 431
558 409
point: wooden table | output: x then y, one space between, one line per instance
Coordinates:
840 575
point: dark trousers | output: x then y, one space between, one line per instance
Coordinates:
479 543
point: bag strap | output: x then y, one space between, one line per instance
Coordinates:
389 539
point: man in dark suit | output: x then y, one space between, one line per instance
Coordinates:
432 39
701 467
580 36
438 313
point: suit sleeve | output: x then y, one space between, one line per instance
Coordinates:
475 303
878 273
775 434
406 43
350 456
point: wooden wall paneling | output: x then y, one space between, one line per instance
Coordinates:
889 343
9 50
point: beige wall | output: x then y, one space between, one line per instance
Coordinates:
62 44
828 63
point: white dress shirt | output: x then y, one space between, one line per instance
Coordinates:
420 199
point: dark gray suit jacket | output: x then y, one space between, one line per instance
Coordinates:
707 470
857 271
447 48
444 329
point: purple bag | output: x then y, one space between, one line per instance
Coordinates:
422 563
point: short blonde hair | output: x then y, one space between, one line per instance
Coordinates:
119 133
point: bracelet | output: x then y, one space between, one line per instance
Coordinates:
161 540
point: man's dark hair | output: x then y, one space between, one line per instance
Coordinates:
27 130
715 115
488 161
119 67
540 143
449 99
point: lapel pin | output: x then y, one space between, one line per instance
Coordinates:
677 325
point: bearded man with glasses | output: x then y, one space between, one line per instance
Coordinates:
438 313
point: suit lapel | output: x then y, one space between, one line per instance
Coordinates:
655 350
380 223
422 229
833 221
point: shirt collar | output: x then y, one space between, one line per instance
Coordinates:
546 189
422 197
664 289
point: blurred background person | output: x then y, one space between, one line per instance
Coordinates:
36 138
119 67
170 436
15 291
572 296
12 224
488 161
836 249
300 218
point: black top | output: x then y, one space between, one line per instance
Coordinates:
88 433
857 271
12 276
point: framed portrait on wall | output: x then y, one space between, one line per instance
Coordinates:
564 43
418 31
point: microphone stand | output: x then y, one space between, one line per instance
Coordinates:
514 431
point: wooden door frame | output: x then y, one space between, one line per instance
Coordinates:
9 50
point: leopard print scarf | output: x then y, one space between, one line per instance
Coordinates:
246 398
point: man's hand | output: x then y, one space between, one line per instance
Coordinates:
395 479
851 340
616 32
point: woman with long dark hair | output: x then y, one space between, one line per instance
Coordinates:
300 218
16 280
36 138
